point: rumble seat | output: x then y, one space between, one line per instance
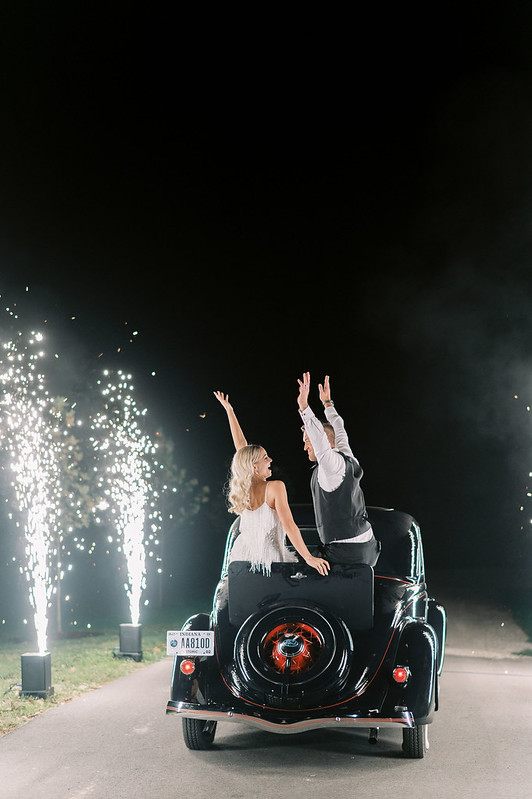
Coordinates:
347 591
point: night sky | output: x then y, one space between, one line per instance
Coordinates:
263 195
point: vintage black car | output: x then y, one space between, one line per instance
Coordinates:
297 651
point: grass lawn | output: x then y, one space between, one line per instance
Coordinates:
79 663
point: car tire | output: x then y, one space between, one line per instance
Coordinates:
198 734
415 741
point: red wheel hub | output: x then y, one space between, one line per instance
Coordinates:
292 647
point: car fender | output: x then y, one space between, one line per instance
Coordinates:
199 621
437 618
190 687
417 650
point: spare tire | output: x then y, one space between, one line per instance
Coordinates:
287 656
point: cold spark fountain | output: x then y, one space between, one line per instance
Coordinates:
26 437
126 453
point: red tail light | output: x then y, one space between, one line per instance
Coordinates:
187 667
401 674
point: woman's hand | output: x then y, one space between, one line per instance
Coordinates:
321 566
223 399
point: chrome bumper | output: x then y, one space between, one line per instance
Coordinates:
192 711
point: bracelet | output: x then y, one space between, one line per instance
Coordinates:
327 402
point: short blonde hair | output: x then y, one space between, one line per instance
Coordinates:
241 477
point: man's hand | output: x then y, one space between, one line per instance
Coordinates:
304 388
325 390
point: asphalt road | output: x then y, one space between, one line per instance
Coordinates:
117 742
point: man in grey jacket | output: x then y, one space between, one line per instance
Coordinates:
341 518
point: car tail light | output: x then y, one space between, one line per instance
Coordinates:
187 667
401 674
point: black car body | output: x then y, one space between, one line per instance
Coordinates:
295 651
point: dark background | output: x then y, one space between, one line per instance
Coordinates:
262 192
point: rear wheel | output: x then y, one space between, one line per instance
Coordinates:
198 734
415 741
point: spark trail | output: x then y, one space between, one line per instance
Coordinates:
33 460
125 452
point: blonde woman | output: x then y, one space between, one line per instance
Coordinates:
265 515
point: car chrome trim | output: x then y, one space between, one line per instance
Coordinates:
189 710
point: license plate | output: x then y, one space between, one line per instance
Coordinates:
190 642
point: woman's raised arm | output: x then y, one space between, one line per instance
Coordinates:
239 438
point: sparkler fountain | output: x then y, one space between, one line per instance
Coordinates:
26 437
125 450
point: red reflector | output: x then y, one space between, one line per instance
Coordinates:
400 674
187 666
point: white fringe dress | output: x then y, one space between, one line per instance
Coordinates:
261 540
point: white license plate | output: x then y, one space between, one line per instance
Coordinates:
190 642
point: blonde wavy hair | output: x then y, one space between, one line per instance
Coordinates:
241 477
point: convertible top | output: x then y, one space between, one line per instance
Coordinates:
399 537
